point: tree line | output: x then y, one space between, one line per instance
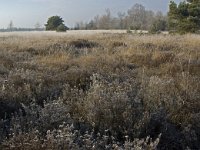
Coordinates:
136 18
12 28
182 18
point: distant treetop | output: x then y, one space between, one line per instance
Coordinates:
55 23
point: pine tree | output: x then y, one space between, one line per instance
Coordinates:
184 17
53 22
173 16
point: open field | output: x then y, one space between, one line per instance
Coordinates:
115 88
70 32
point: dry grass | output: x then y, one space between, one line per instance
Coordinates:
53 60
110 81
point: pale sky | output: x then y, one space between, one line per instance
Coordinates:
26 13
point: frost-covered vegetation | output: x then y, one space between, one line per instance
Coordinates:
99 91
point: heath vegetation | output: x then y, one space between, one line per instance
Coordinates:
99 91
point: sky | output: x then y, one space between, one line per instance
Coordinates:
26 13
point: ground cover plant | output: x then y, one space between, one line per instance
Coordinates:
99 91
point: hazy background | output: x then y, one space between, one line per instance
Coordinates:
26 13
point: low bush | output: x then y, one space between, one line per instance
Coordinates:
105 91
82 43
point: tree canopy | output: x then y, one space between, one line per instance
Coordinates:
184 17
55 23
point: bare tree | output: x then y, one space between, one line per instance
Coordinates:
80 25
37 26
121 17
96 21
105 20
150 17
137 16
10 26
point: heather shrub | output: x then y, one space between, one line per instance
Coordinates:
82 43
105 91
6 62
113 104
118 44
52 127
65 138
3 70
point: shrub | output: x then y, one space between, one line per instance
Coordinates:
107 99
128 31
61 28
82 43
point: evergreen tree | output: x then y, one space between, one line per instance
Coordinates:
61 28
54 22
184 17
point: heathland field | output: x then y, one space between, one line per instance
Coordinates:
99 90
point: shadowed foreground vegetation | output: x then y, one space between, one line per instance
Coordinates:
103 91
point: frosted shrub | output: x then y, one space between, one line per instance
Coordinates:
113 105
109 94
139 144
65 137
158 93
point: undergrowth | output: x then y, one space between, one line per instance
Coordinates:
104 91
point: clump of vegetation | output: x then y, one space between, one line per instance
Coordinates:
144 95
82 43
55 23
129 31
184 17
118 44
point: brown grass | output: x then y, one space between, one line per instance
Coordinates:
110 81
